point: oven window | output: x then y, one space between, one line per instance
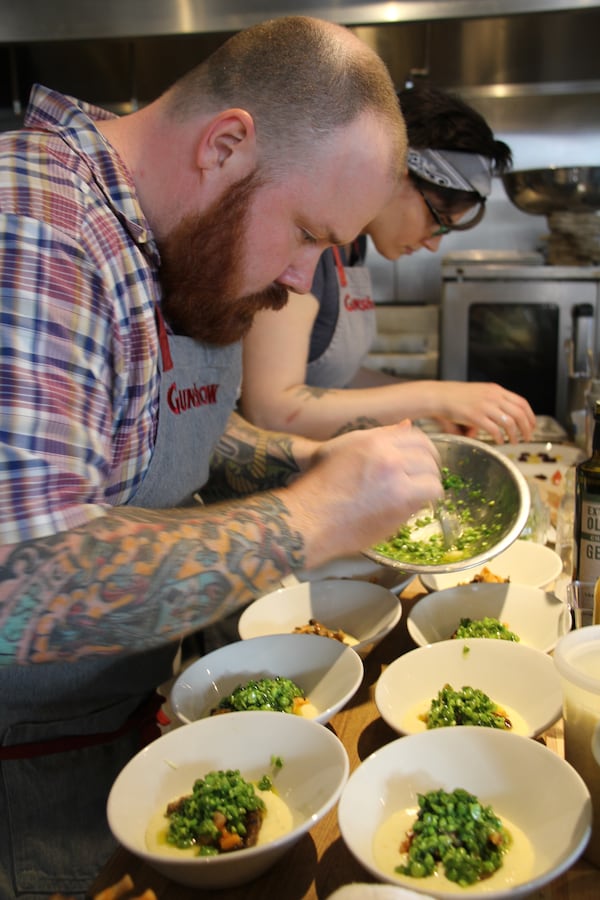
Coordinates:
516 346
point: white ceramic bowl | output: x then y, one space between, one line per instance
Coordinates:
524 782
366 611
328 672
315 769
538 617
360 568
519 679
524 562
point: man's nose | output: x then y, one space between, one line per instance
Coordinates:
298 276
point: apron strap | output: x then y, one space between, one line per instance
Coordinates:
339 266
163 340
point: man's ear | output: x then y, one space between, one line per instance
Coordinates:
227 145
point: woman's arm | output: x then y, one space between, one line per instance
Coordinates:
275 395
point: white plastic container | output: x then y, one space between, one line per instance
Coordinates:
577 658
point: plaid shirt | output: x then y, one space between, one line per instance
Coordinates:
78 343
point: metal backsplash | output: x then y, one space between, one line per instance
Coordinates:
531 67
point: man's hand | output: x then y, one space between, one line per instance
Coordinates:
362 486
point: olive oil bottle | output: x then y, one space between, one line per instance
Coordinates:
586 547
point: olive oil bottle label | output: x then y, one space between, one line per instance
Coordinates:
589 548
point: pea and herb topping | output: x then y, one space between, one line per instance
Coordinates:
406 545
487 627
454 831
278 694
468 706
222 813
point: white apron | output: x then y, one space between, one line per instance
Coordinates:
56 763
354 331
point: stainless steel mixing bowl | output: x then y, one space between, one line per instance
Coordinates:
495 494
542 192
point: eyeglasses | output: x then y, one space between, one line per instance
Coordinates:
445 227
442 227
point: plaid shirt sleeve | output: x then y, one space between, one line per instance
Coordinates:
55 397
78 377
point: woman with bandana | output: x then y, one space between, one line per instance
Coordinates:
302 364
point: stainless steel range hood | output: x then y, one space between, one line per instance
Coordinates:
38 20
122 53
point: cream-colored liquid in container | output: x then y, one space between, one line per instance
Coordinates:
279 819
516 869
582 733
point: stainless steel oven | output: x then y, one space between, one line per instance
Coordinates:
512 323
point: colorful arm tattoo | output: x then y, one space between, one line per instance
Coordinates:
136 578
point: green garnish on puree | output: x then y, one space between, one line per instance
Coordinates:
278 694
467 706
456 831
193 820
486 627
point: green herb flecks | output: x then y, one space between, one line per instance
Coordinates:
214 816
420 542
467 706
486 627
278 694
454 830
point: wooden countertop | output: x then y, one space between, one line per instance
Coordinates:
320 863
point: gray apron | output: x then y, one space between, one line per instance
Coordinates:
68 729
354 331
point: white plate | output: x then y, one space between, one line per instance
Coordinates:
542 460
538 617
544 465
524 562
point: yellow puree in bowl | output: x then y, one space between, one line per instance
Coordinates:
517 865
278 820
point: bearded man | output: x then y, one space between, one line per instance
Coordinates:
134 253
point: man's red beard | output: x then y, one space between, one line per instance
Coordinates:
200 262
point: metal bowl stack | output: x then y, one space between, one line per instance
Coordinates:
541 192
570 199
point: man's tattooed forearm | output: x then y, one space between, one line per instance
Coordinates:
247 460
137 578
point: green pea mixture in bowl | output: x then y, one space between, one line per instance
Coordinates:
454 831
484 491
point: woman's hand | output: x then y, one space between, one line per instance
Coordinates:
470 407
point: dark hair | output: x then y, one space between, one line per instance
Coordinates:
438 120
